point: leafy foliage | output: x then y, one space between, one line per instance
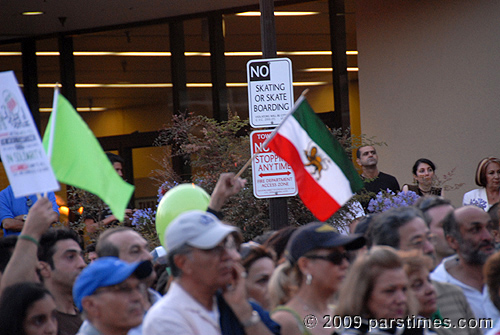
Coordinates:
217 147
85 205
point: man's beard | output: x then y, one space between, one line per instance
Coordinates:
473 255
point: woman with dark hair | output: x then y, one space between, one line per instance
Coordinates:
424 175
27 309
488 177
259 266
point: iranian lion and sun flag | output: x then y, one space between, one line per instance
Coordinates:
325 176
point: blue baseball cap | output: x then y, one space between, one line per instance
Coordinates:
317 235
106 271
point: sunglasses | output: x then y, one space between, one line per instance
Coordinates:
335 257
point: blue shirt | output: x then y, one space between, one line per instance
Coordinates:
11 207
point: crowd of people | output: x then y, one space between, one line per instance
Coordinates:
421 269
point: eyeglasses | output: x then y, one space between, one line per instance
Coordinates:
227 244
122 289
335 257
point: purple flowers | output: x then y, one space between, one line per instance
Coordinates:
142 217
481 203
388 199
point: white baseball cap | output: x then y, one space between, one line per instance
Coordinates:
198 229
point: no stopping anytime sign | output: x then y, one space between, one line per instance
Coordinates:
272 177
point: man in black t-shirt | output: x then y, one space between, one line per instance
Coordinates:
374 180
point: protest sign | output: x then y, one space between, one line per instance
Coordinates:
23 156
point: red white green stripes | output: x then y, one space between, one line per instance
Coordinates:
322 192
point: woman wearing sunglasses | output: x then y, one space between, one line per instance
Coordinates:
317 263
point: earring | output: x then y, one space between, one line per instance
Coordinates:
309 279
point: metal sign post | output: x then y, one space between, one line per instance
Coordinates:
278 207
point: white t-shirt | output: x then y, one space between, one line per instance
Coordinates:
180 314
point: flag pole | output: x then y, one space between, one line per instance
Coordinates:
53 123
266 142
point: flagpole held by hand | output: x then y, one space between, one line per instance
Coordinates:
264 145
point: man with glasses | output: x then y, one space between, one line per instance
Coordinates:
110 294
208 294
402 228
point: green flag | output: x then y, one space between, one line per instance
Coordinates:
78 159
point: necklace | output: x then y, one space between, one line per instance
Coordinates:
424 191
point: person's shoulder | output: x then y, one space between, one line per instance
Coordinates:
386 175
439 273
162 321
288 322
164 310
474 192
446 288
174 301
285 315
6 192
448 293
165 302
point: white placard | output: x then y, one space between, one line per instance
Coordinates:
272 176
21 149
270 91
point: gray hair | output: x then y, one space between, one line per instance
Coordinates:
385 226
182 250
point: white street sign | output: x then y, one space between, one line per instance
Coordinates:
272 177
23 156
270 91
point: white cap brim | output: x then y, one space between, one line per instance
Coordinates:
213 236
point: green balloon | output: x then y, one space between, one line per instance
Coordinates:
177 200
